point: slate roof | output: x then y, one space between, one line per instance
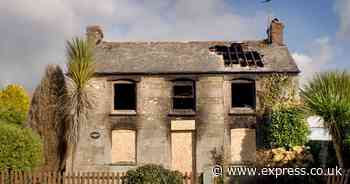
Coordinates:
184 57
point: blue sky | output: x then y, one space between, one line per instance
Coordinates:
306 21
33 35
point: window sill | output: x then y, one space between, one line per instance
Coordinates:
123 164
242 111
123 113
182 113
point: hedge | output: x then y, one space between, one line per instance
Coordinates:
20 148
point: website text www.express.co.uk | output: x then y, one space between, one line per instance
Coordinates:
252 171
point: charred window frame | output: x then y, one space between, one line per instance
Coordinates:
183 96
243 94
124 97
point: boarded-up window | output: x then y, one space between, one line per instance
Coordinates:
124 96
123 146
243 145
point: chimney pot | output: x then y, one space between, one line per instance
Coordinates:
94 34
275 32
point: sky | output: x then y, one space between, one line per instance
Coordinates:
33 33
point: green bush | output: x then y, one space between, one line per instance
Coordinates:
20 148
288 126
153 174
315 148
14 104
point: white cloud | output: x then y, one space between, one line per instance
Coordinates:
342 8
317 58
33 32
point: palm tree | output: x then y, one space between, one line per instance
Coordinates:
328 96
80 71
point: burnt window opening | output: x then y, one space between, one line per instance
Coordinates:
125 96
243 94
183 95
238 53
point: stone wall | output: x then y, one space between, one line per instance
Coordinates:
214 123
209 119
153 128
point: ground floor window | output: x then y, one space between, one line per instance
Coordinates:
123 146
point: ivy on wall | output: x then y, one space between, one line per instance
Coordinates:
284 121
288 126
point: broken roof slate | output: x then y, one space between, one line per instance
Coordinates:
184 57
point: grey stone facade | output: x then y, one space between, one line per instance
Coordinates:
213 119
214 116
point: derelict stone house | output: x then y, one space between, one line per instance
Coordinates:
172 103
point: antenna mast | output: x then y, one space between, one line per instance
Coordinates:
269 12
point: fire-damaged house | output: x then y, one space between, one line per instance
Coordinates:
173 103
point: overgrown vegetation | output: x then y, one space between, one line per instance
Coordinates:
80 64
327 95
297 156
153 174
217 158
284 122
288 126
20 148
14 104
276 88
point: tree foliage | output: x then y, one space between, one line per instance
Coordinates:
327 95
153 174
20 148
14 104
47 116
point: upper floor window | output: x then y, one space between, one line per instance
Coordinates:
184 95
124 95
243 94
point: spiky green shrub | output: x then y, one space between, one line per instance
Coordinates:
20 148
80 64
288 127
153 174
328 96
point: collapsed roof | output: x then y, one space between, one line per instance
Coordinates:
186 57
264 56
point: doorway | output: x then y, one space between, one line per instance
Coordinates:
183 146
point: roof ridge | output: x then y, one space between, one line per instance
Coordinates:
189 41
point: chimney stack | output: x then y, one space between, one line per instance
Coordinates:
94 34
275 32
